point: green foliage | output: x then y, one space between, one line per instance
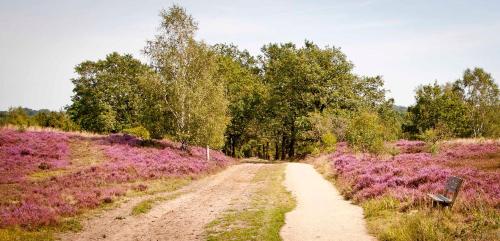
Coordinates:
192 98
439 105
289 101
318 137
18 116
24 117
467 107
366 133
307 80
246 94
391 119
328 142
54 119
138 131
107 96
482 96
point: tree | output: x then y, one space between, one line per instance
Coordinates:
308 80
478 89
18 116
194 101
467 107
107 96
439 106
246 94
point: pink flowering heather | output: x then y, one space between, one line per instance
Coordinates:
412 174
31 203
406 146
24 152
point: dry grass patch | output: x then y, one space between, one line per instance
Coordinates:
82 155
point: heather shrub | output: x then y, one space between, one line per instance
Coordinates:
32 203
409 176
138 131
393 190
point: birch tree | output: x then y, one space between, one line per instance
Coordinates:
193 98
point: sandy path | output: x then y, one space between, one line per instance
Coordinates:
182 218
321 212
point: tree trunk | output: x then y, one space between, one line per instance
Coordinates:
291 147
283 147
276 151
233 144
184 146
267 151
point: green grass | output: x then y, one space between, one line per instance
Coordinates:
17 234
265 215
143 207
40 234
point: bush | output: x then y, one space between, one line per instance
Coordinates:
366 133
138 131
319 135
55 119
18 116
328 142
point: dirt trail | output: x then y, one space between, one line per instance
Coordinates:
182 218
321 212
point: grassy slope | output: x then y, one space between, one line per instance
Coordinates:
83 154
266 214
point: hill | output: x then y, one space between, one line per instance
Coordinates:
46 176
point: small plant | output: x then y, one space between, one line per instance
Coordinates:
138 131
143 207
328 141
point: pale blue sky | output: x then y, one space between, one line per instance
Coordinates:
407 42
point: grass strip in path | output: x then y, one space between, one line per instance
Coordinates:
265 214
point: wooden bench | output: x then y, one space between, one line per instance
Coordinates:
453 185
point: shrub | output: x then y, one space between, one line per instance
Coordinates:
138 131
328 141
29 203
366 133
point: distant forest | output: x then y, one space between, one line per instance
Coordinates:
287 102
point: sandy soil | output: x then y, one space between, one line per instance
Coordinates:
182 218
321 212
